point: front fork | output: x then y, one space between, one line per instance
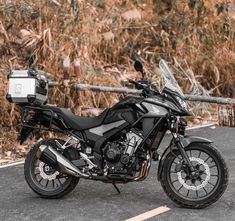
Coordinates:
172 126
180 146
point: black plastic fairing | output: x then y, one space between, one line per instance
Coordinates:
125 109
129 116
171 97
148 124
156 133
163 103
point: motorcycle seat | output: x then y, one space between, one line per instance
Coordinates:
75 122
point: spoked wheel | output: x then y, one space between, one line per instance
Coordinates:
43 179
200 188
46 177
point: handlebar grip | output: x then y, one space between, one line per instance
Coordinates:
137 84
132 81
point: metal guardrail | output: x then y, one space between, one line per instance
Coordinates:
207 99
95 88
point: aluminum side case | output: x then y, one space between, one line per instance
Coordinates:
27 87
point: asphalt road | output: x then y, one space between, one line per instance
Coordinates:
98 201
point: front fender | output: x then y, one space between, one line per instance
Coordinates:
186 141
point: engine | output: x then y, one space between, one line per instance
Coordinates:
120 155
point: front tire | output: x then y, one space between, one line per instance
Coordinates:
44 180
197 191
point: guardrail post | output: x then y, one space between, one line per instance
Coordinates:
226 115
66 67
78 77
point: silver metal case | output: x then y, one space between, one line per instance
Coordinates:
27 87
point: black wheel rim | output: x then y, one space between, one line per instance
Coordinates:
200 187
45 177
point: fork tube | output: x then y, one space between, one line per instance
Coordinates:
182 151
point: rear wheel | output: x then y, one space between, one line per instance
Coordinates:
199 189
43 179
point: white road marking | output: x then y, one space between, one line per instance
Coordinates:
202 126
149 214
12 164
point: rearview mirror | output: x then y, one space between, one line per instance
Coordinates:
138 66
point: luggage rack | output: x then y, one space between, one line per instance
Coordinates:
28 114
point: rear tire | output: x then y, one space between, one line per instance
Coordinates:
220 184
33 181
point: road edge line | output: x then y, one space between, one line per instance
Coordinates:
12 164
201 126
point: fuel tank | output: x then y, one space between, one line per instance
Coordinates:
127 109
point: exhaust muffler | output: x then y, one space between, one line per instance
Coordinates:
58 162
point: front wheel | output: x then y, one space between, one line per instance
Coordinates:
201 188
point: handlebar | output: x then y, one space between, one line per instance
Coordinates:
145 86
137 84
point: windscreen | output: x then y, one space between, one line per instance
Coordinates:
171 83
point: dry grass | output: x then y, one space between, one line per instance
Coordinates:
106 36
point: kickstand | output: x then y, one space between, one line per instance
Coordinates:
115 186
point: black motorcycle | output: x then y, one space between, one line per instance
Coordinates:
118 146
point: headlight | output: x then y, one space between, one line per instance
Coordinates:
182 103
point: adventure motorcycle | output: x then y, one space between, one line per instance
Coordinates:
118 146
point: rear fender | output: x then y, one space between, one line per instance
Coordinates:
24 134
186 141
